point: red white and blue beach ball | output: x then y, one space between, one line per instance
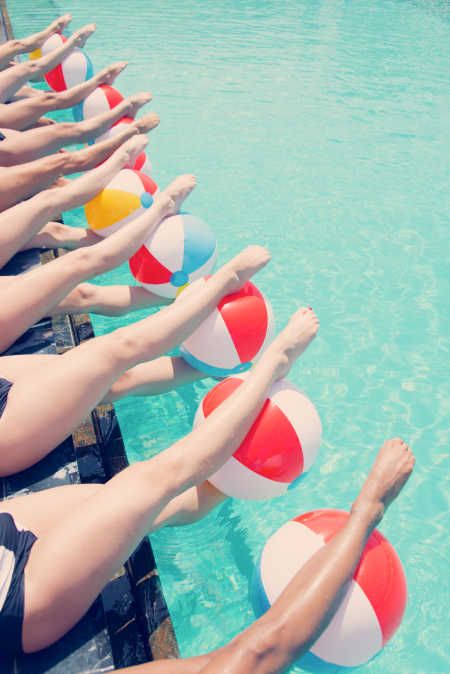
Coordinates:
372 607
181 250
101 100
233 336
280 447
74 69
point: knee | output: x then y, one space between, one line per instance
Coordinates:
85 261
49 99
261 648
84 295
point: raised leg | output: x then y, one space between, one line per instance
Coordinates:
90 369
26 112
61 581
107 300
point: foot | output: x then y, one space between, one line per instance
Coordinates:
131 149
387 477
58 25
293 340
178 190
81 36
246 264
109 74
134 103
146 122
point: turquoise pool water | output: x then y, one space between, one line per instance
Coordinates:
319 128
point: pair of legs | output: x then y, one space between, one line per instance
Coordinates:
92 369
25 180
23 114
61 581
26 146
24 45
15 77
26 298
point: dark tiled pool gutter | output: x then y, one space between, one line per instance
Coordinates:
129 623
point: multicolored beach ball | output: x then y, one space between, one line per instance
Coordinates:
372 607
280 447
127 195
101 100
181 250
233 336
74 69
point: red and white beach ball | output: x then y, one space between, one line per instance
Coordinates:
281 445
143 163
125 197
233 336
74 69
101 100
373 604
181 250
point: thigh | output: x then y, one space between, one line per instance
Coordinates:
24 367
6 281
44 510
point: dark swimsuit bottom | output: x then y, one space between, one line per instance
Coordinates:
18 543
5 387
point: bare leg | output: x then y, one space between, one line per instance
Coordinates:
107 300
21 223
14 47
12 79
304 609
37 292
90 369
29 145
25 113
114 520
58 235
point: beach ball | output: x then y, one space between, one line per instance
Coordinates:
181 250
143 163
125 197
101 100
233 335
74 69
280 447
373 604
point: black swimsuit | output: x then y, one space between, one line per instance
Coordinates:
5 386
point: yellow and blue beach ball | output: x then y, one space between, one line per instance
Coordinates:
181 250
126 197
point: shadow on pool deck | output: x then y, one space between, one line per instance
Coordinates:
130 623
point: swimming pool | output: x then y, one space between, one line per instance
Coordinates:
319 129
